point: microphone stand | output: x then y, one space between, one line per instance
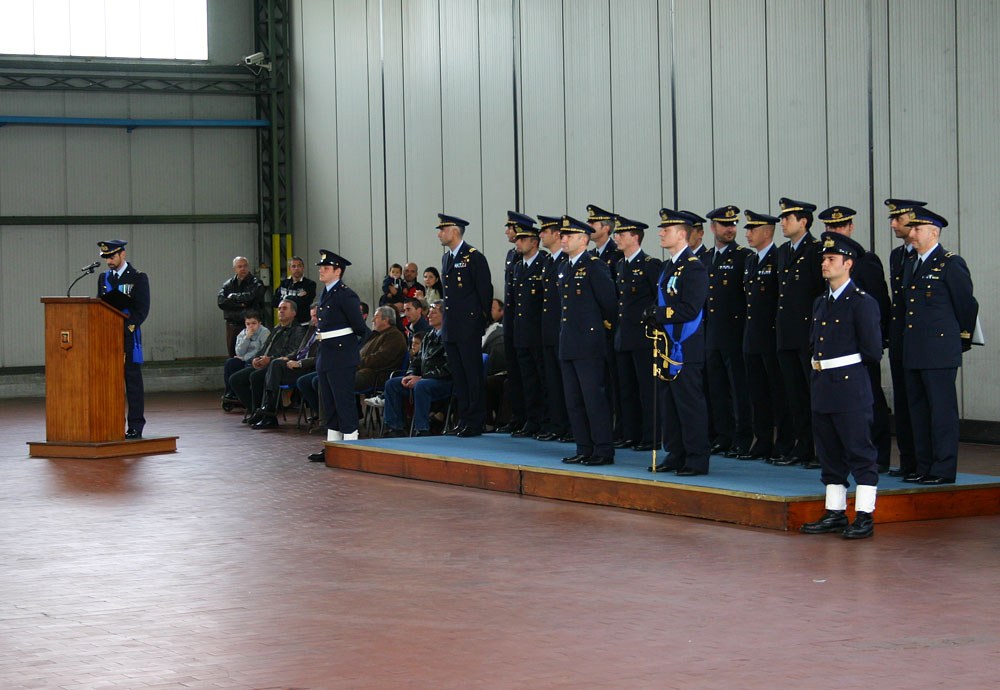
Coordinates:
86 272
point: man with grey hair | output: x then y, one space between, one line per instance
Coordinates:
248 383
284 371
383 352
244 291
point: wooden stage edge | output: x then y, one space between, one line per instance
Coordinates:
741 508
151 445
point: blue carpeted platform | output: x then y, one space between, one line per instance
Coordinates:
743 476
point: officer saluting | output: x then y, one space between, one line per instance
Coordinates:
339 323
468 299
940 318
587 300
127 290
845 334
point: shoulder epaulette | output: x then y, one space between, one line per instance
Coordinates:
472 250
693 258
649 258
949 255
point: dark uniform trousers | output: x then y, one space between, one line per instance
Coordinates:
841 397
795 367
557 421
515 389
683 410
465 359
898 259
610 256
635 376
529 294
336 386
770 414
730 400
933 400
134 391
869 275
587 404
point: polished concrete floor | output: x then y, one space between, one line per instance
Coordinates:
234 563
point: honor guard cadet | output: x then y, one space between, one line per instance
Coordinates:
900 213
729 399
340 325
801 282
587 305
679 312
846 334
602 224
868 275
638 276
941 314
557 428
529 293
515 391
127 290
468 300
772 427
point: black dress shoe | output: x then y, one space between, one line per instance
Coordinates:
524 432
455 429
624 443
832 521
257 415
544 436
899 472
757 452
733 452
811 464
575 459
750 455
932 480
468 432
913 478
718 449
663 467
508 428
566 438
787 460
689 472
133 434
267 422
882 469
644 447
597 460
317 457
862 527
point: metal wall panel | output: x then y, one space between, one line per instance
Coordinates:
587 55
739 106
224 160
230 31
635 103
177 322
978 181
796 80
37 154
543 108
885 239
376 172
396 171
692 106
97 158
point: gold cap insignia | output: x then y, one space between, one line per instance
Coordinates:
892 207
730 212
565 222
837 214
105 247
663 215
828 244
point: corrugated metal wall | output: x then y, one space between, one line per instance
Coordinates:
745 101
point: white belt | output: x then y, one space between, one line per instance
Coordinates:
836 362
340 332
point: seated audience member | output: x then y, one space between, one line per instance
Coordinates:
296 287
308 385
248 383
414 310
284 371
428 378
497 411
392 286
382 353
415 344
432 284
248 343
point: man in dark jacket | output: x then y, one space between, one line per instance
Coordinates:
241 292
283 371
428 378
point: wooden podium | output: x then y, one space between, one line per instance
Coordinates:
84 384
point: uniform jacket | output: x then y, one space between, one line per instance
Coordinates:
610 256
509 297
339 307
431 363
849 326
134 284
760 284
869 275
587 303
302 293
637 281
897 322
940 310
551 308
685 288
468 294
801 282
701 252
727 307
529 292
246 294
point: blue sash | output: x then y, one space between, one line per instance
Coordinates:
676 357
136 334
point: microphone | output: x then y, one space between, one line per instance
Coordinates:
86 270
91 267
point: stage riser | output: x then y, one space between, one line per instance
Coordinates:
108 449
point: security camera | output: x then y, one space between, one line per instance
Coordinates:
255 59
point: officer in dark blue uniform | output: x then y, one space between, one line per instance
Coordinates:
697 234
529 292
772 427
729 398
679 311
587 304
515 389
127 290
801 282
339 326
846 334
638 276
941 314
557 421
900 213
468 300
869 275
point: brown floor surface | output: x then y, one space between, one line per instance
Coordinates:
234 563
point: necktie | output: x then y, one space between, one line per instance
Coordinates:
718 258
830 300
451 262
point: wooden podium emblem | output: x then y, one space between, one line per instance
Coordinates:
65 339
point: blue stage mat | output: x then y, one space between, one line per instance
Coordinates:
745 476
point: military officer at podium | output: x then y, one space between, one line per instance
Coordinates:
468 301
845 335
941 314
127 290
339 324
